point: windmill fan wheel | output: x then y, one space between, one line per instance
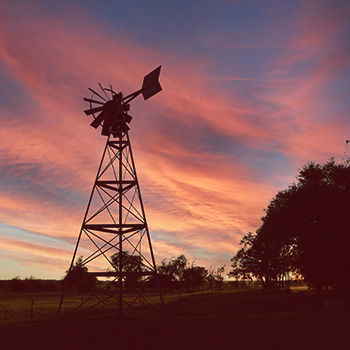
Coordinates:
109 111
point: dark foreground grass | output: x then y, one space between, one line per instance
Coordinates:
244 320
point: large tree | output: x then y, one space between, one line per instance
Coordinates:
306 227
262 258
194 277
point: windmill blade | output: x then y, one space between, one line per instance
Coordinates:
123 117
93 110
94 92
127 117
110 90
99 119
93 101
103 90
107 124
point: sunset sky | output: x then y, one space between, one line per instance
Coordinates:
252 90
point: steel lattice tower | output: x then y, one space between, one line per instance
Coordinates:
112 277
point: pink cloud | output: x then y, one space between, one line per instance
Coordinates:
320 21
34 248
68 57
197 196
46 218
311 94
32 254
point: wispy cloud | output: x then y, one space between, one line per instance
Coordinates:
238 114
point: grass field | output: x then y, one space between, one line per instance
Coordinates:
237 320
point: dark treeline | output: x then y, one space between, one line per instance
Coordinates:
304 234
179 273
174 274
30 284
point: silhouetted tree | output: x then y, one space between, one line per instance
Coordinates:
305 229
130 264
79 279
171 271
265 260
215 277
179 273
194 277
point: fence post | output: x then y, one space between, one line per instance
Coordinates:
81 308
31 310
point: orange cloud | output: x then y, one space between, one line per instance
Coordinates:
210 150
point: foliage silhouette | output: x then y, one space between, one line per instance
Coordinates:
179 273
215 277
130 263
305 230
79 279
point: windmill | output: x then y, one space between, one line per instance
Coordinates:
112 278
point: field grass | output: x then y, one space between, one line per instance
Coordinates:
236 320
22 307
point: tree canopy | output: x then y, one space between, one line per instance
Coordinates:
305 230
180 273
130 263
80 279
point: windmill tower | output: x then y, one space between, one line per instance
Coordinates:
112 278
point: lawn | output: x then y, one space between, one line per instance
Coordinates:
235 320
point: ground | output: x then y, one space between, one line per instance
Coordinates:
231 320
